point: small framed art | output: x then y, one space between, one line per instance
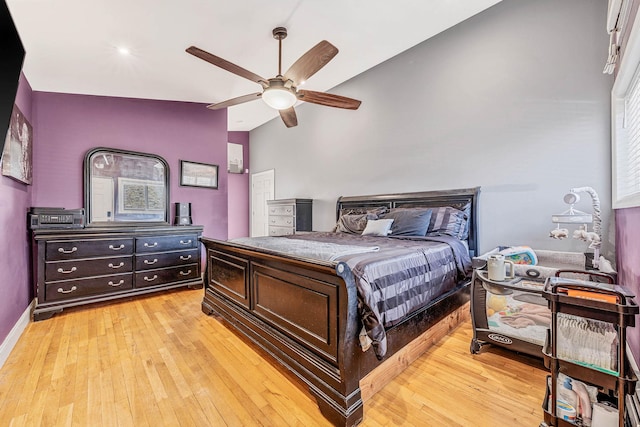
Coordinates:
194 174
16 158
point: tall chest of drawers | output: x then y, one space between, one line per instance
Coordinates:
286 216
77 267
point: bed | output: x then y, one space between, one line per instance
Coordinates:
305 305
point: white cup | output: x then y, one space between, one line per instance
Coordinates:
497 265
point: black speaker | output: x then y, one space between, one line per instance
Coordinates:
183 214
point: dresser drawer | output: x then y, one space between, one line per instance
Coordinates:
70 289
75 269
159 260
282 210
283 221
68 249
165 275
166 243
275 230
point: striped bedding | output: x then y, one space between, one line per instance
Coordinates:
403 275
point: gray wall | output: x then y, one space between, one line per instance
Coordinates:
512 100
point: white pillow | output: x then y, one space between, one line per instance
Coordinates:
377 227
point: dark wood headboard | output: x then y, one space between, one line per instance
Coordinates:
455 198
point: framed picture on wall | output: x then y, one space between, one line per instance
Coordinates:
194 174
234 158
18 148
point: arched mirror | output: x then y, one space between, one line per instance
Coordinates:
125 188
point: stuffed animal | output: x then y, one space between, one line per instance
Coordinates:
588 236
559 233
496 303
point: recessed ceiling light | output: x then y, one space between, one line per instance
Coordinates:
123 50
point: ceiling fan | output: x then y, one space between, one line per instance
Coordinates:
281 92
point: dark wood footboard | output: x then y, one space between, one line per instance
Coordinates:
304 315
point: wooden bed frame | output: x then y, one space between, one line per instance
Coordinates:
304 313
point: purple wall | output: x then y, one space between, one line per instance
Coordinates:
67 126
238 209
628 263
15 199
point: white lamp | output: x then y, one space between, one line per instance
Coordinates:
278 95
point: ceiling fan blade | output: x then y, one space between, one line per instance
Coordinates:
289 117
225 65
312 61
235 101
328 99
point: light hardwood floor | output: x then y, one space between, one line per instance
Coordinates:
159 361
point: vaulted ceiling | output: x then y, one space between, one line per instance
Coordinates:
75 46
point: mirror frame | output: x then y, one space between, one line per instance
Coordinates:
120 223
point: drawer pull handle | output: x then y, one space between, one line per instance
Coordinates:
61 270
116 284
185 258
116 266
155 276
70 251
116 248
146 261
182 273
146 245
185 242
62 291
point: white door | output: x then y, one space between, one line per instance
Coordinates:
262 189
102 199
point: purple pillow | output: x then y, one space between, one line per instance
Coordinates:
448 220
409 221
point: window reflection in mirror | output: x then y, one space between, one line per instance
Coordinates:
125 186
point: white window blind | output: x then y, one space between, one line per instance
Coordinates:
625 125
628 145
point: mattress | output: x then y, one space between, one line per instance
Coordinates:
395 276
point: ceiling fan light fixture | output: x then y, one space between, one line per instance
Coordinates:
279 98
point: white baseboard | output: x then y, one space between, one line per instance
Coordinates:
15 333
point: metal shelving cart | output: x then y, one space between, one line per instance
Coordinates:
587 301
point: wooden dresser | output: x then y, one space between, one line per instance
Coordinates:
79 266
286 216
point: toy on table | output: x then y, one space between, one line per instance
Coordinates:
520 255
